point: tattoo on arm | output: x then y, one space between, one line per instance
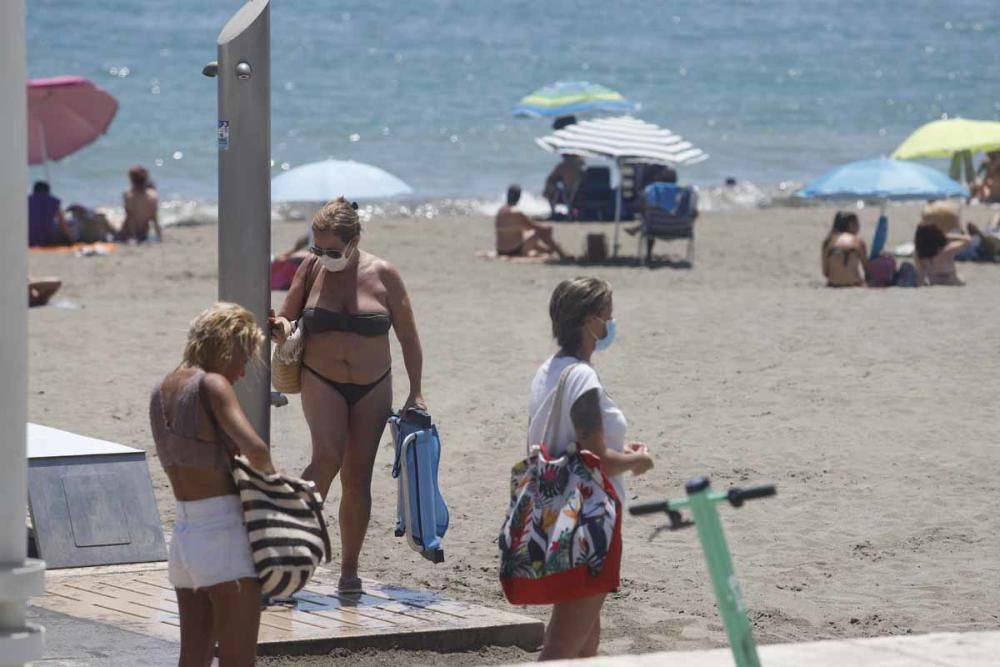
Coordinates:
586 414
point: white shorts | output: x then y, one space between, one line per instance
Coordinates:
210 544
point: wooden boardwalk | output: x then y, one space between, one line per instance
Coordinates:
140 599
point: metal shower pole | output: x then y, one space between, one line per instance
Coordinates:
20 578
244 137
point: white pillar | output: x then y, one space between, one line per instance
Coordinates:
19 579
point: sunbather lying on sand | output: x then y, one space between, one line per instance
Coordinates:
520 236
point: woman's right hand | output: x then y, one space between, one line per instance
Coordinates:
280 327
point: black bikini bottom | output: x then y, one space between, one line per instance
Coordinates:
351 393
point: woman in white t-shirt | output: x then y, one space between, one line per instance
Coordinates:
581 312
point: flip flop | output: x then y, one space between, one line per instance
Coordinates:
350 586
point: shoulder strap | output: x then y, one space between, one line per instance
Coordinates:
205 403
551 433
311 273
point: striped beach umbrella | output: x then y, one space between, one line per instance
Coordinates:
623 139
572 97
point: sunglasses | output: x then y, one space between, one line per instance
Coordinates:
332 254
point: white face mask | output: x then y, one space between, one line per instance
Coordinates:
339 264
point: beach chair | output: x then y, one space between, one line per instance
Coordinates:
670 212
422 514
594 198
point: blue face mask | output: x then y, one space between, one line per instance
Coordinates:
604 343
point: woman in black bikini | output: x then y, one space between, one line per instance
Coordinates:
347 300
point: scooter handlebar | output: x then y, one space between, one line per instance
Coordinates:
737 496
658 507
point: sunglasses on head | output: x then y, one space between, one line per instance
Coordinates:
329 252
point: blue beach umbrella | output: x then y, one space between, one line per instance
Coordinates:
572 97
885 180
323 181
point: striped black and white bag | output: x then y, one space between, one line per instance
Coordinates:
284 521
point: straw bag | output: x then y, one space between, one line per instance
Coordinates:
286 362
561 539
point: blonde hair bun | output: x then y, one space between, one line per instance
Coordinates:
338 216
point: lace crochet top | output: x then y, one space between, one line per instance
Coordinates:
178 443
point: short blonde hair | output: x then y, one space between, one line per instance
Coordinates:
942 214
338 216
220 332
572 302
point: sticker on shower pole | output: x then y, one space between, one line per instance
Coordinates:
223 135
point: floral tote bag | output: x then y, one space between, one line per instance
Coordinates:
561 539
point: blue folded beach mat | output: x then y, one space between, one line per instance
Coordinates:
421 513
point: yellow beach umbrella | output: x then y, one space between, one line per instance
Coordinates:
957 138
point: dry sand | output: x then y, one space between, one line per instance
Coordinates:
874 411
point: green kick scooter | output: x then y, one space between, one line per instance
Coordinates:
702 500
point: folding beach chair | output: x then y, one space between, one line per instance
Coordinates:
669 214
594 199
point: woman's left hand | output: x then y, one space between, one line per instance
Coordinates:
414 401
637 448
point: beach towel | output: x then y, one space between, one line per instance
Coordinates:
80 249
663 195
282 273
492 254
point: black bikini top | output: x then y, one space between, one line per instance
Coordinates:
846 253
319 320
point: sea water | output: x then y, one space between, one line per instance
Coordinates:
776 91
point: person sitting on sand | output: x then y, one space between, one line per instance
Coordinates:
987 241
141 204
937 240
520 236
987 188
844 255
46 223
92 226
563 181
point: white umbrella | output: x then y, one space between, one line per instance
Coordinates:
623 139
323 181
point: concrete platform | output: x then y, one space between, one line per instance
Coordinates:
140 601
943 649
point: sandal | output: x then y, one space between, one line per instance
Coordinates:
350 586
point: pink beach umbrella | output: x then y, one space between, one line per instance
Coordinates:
65 114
